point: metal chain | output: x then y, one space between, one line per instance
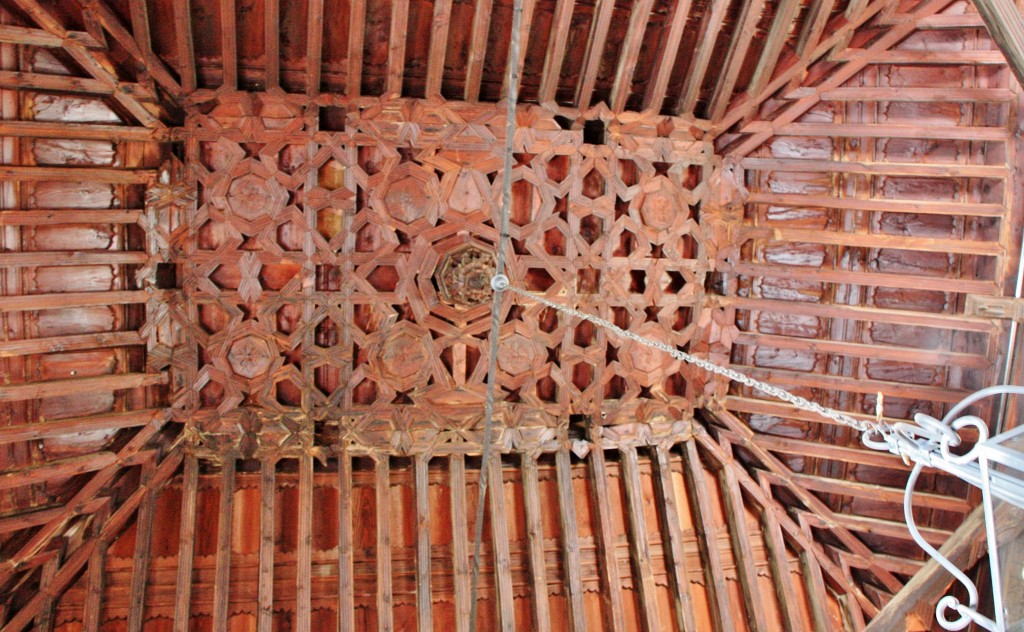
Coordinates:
881 428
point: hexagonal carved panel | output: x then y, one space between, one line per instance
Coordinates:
464 276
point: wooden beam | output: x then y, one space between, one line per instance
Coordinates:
875 130
27 81
525 26
899 94
477 48
44 619
272 44
265 598
604 539
460 540
884 493
743 552
60 344
186 545
557 41
43 515
709 29
675 557
541 607
80 131
424 609
814 588
346 572
639 547
22 173
697 485
782 576
304 550
140 562
570 541
654 98
78 258
229 44
77 425
932 170
67 300
629 54
385 611
594 51
185 50
57 469
774 43
859 277
396 47
10 34
746 25
315 45
55 388
225 512
60 217
877 205
438 47
92 613
502 554
356 29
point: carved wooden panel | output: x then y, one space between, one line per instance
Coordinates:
345 273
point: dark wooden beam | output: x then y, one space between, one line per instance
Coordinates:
570 541
225 512
424 609
541 607
265 598
639 547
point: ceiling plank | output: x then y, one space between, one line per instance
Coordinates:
346 582
222 571
630 52
604 537
477 49
396 47
186 545
314 46
746 25
541 608
265 582
654 98
675 557
185 55
304 548
557 42
570 541
53 388
460 540
774 43
424 609
594 52
140 560
697 486
639 547
709 29
438 47
502 554
272 44
356 28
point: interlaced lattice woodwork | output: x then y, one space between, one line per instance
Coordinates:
344 273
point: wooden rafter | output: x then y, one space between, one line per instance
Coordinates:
726 84
424 610
623 84
499 538
695 75
477 48
639 547
540 607
225 512
272 44
611 591
385 612
314 45
229 44
675 558
265 607
346 597
140 563
357 24
595 46
1005 23
438 47
570 541
654 97
555 51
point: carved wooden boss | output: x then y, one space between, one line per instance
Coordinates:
338 279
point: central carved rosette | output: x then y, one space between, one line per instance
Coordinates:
464 276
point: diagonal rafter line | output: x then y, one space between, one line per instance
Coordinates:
90 62
743 435
743 109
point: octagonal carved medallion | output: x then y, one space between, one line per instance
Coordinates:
251 197
250 357
464 276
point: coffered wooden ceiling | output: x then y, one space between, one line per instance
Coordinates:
244 346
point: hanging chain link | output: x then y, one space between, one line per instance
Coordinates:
501 282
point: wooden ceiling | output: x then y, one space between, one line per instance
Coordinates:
217 412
